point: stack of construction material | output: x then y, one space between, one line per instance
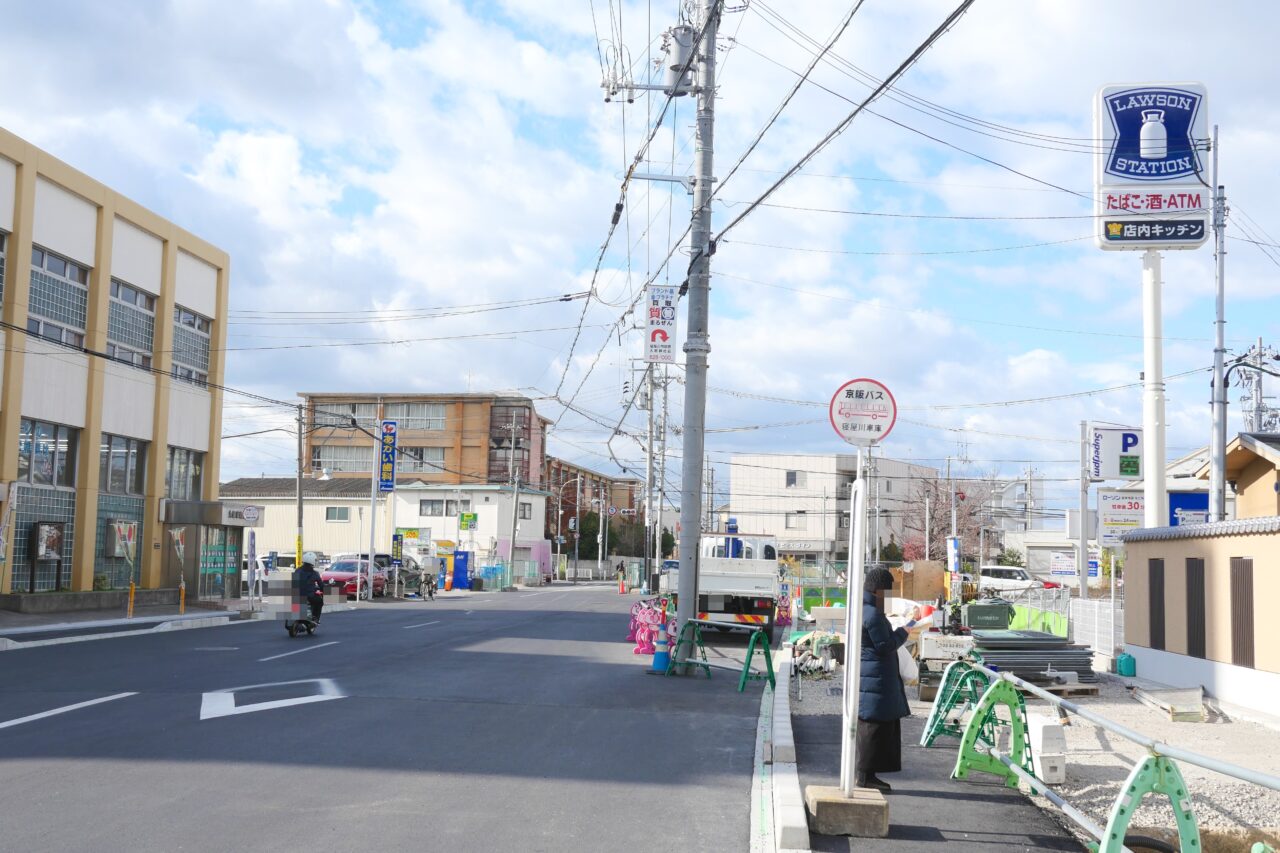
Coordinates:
1030 654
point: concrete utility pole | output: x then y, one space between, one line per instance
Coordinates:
1154 486
373 497
298 543
1082 545
660 494
649 573
928 525
514 473
697 345
1218 457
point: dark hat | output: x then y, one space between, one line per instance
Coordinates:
877 579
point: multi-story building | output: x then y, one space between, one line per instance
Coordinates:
1017 505
114 331
568 484
442 438
803 500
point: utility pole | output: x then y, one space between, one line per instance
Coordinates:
697 345
928 524
1155 488
514 474
577 529
373 497
1218 453
298 543
649 574
1082 552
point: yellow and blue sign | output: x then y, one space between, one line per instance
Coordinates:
387 463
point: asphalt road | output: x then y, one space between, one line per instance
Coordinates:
504 721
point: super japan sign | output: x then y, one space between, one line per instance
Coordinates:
863 411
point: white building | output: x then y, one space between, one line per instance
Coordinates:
803 499
336 517
1017 505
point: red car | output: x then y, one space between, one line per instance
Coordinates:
349 573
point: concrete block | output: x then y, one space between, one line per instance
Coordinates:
790 826
865 814
1050 767
783 741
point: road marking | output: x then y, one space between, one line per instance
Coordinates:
216 649
63 710
300 651
422 624
222 703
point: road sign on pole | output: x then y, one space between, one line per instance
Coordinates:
387 464
660 324
863 412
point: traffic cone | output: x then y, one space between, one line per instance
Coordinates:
661 649
622 585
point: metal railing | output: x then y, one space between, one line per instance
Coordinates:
1156 773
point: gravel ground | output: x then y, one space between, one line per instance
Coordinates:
1098 761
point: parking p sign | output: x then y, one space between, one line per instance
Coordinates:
1115 453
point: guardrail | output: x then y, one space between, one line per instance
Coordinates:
969 685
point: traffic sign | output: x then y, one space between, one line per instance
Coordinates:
863 411
613 510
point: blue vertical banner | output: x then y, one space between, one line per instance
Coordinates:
387 465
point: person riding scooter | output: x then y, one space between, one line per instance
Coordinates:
310 587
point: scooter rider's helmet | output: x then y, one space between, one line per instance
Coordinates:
309 560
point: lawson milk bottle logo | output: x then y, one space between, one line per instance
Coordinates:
1153 133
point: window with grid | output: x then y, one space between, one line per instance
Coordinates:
343 458
421 416
453 507
340 414
526 510
185 474
122 466
337 513
131 324
191 346
431 507
47 453
419 460
58 304
797 520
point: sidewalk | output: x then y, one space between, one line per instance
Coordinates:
928 810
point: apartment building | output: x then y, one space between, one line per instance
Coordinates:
803 499
112 366
568 484
442 438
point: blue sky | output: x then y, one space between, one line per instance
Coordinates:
378 157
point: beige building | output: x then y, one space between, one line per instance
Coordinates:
1196 595
442 438
112 364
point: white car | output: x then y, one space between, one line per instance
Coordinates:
1007 579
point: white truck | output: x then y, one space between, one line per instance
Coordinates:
737 580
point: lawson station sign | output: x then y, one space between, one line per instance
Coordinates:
1152 188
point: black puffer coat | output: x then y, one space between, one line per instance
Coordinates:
882 695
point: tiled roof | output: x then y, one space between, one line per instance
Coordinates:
1237 527
287 487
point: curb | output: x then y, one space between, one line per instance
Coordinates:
789 817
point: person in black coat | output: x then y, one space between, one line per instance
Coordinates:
310 588
882 698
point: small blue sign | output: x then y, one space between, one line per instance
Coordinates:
1188 508
387 465
1154 138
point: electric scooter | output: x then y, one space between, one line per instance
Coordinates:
301 620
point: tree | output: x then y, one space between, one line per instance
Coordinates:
668 543
891 553
1011 557
973 499
587 547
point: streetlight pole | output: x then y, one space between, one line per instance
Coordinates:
560 516
1218 454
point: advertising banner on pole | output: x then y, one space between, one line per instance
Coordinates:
1115 453
1148 173
660 324
387 462
1118 513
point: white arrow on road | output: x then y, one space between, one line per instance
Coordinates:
222 703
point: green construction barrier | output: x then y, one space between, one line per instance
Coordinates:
1033 619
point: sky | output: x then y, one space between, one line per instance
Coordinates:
427 177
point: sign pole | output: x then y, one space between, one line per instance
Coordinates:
1153 421
1218 453
853 627
1082 545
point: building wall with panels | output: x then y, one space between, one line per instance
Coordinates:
47 204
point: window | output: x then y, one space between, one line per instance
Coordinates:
797 479
123 466
526 510
457 507
47 453
184 475
417 460
888 487
844 521
421 416
1155 602
431 507
1195 607
1242 652
340 414
797 520
190 347
58 302
337 513
131 325
341 457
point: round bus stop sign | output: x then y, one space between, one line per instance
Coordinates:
863 411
